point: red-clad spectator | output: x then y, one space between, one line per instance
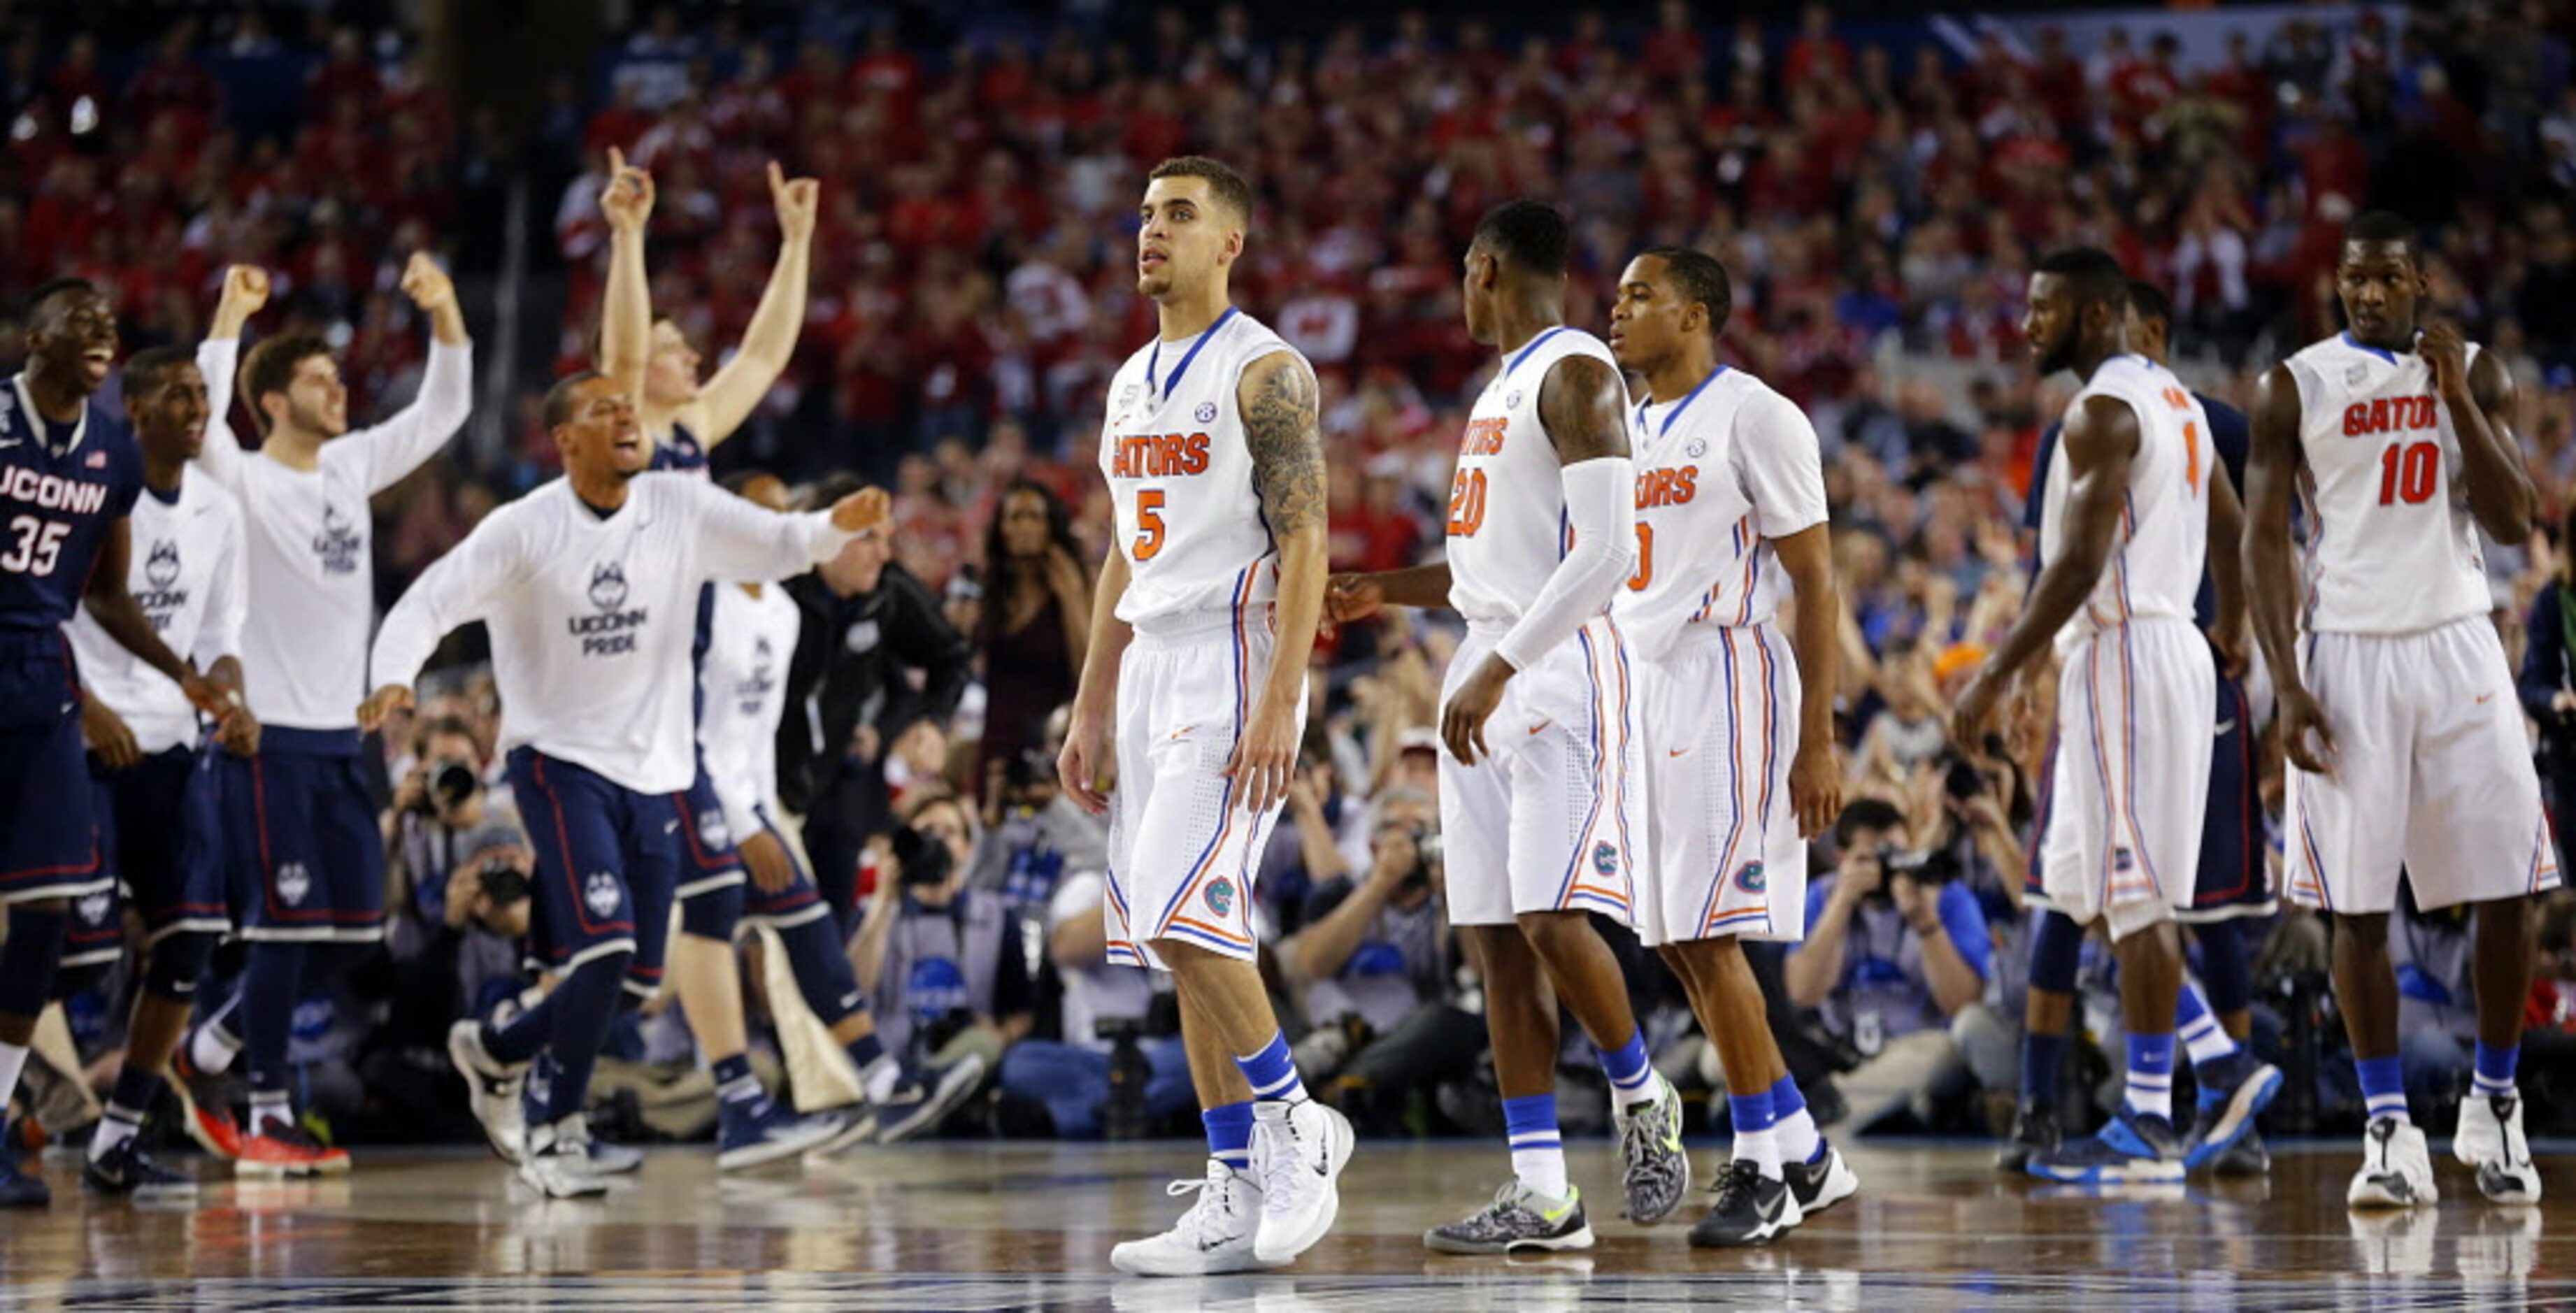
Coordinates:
1816 53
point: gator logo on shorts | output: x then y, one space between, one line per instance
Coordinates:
600 892
712 831
1751 879
1220 896
1605 858
293 882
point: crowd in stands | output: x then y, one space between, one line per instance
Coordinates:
1877 206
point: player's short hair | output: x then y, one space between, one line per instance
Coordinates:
1230 188
144 368
271 365
51 288
566 392
2150 302
2092 273
1531 235
1867 814
2382 226
1698 276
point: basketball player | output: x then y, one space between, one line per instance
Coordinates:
681 424
743 678
1738 724
1216 472
2230 882
2405 744
589 586
154 789
299 823
69 477
1543 830
2128 524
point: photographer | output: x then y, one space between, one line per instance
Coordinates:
949 965
1103 1007
1896 958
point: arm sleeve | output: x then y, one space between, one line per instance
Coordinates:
741 543
221 456
1780 466
1601 511
227 597
457 588
1966 923
396 447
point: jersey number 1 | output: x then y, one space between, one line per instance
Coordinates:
2406 473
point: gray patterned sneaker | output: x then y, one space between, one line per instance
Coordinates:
1519 1218
1654 1169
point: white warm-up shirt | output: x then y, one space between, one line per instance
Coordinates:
186 571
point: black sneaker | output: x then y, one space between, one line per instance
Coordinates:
128 1170
2034 1132
1517 1219
2247 1157
1821 1182
1752 1209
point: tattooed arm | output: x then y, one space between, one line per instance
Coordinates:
1280 421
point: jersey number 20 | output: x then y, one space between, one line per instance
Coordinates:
39 545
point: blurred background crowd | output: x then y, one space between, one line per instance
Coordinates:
1877 187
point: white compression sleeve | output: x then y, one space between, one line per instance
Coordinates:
1601 507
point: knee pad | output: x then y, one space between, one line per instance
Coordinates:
31 958
2056 947
714 914
177 963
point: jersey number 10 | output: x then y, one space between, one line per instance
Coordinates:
2406 473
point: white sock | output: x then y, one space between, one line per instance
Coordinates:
1761 1148
1542 1170
267 1107
212 1049
1797 1137
115 1126
2206 1041
13 1060
879 1080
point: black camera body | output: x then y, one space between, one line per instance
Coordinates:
1426 854
446 784
503 881
1927 866
925 861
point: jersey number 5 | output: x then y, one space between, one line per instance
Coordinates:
2406 473
39 545
1149 523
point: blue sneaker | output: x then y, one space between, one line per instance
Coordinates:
2129 1150
20 1189
2231 1118
750 1132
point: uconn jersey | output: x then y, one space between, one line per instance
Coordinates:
185 569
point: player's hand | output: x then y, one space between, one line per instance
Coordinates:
767 861
2299 714
2228 642
107 734
1815 786
382 704
1349 598
1264 756
862 511
2447 352
797 199
1462 721
426 284
237 731
1077 767
1976 706
627 200
245 291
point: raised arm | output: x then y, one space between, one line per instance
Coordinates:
769 341
2099 446
2480 396
1282 426
737 540
219 359
416 432
2272 460
626 306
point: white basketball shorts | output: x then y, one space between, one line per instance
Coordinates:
2431 772
1721 725
2130 788
1550 821
1183 849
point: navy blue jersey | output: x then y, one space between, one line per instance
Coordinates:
681 451
2229 431
59 490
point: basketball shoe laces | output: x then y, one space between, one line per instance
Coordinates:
1283 1165
1209 1215
1640 1138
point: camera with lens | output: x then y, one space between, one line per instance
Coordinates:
445 785
503 881
1426 855
1927 866
925 861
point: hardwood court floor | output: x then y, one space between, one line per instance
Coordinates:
977 1226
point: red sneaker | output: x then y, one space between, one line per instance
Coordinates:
201 1103
277 1150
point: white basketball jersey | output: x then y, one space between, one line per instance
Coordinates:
1507 525
2162 543
187 572
2392 548
1721 472
744 679
1180 474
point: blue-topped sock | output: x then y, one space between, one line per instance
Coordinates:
1229 1132
2150 1089
2495 1070
1538 1152
2043 1055
1792 1125
2383 1088
1272 1072
1754 1116
2217 1064
1629 1071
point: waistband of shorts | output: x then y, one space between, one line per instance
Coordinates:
1190 627
282 740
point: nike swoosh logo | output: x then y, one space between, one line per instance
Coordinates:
670 827
1677 752
1537 727
1183 731
2485 698
2225 728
